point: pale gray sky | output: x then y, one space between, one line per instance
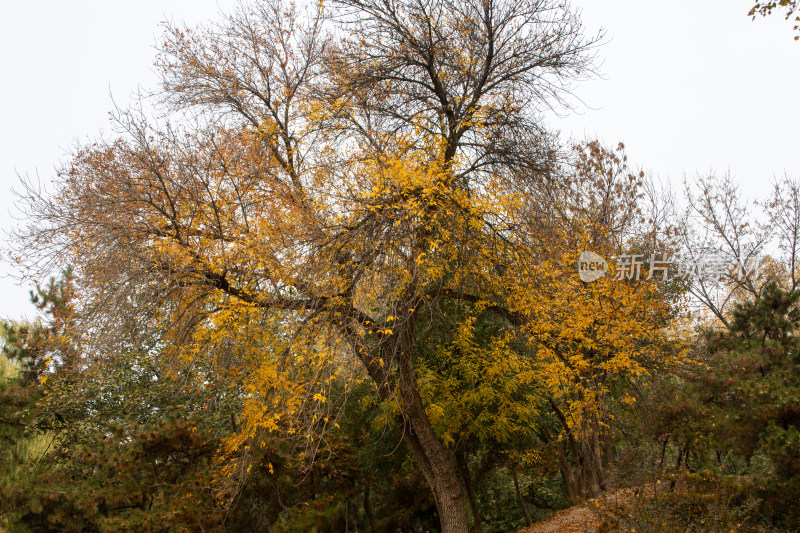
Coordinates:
689 86
695 85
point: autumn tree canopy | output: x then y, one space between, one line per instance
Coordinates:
321 180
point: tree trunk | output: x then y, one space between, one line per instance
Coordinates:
520 499
346 513
593 459
599 464
368 508
580 481
589 464
461 457
567 475
677 469
436 462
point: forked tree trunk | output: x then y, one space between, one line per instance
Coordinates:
599 464
567 475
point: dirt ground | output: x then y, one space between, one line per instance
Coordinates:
583 518
578 519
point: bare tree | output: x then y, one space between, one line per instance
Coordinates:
783 223
736 246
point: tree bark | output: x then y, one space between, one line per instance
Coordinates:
677 469
589 464
461 457
567 475
593 459
599 464
520 499
579 470
437 462
368 508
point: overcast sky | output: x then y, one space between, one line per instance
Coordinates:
690 86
